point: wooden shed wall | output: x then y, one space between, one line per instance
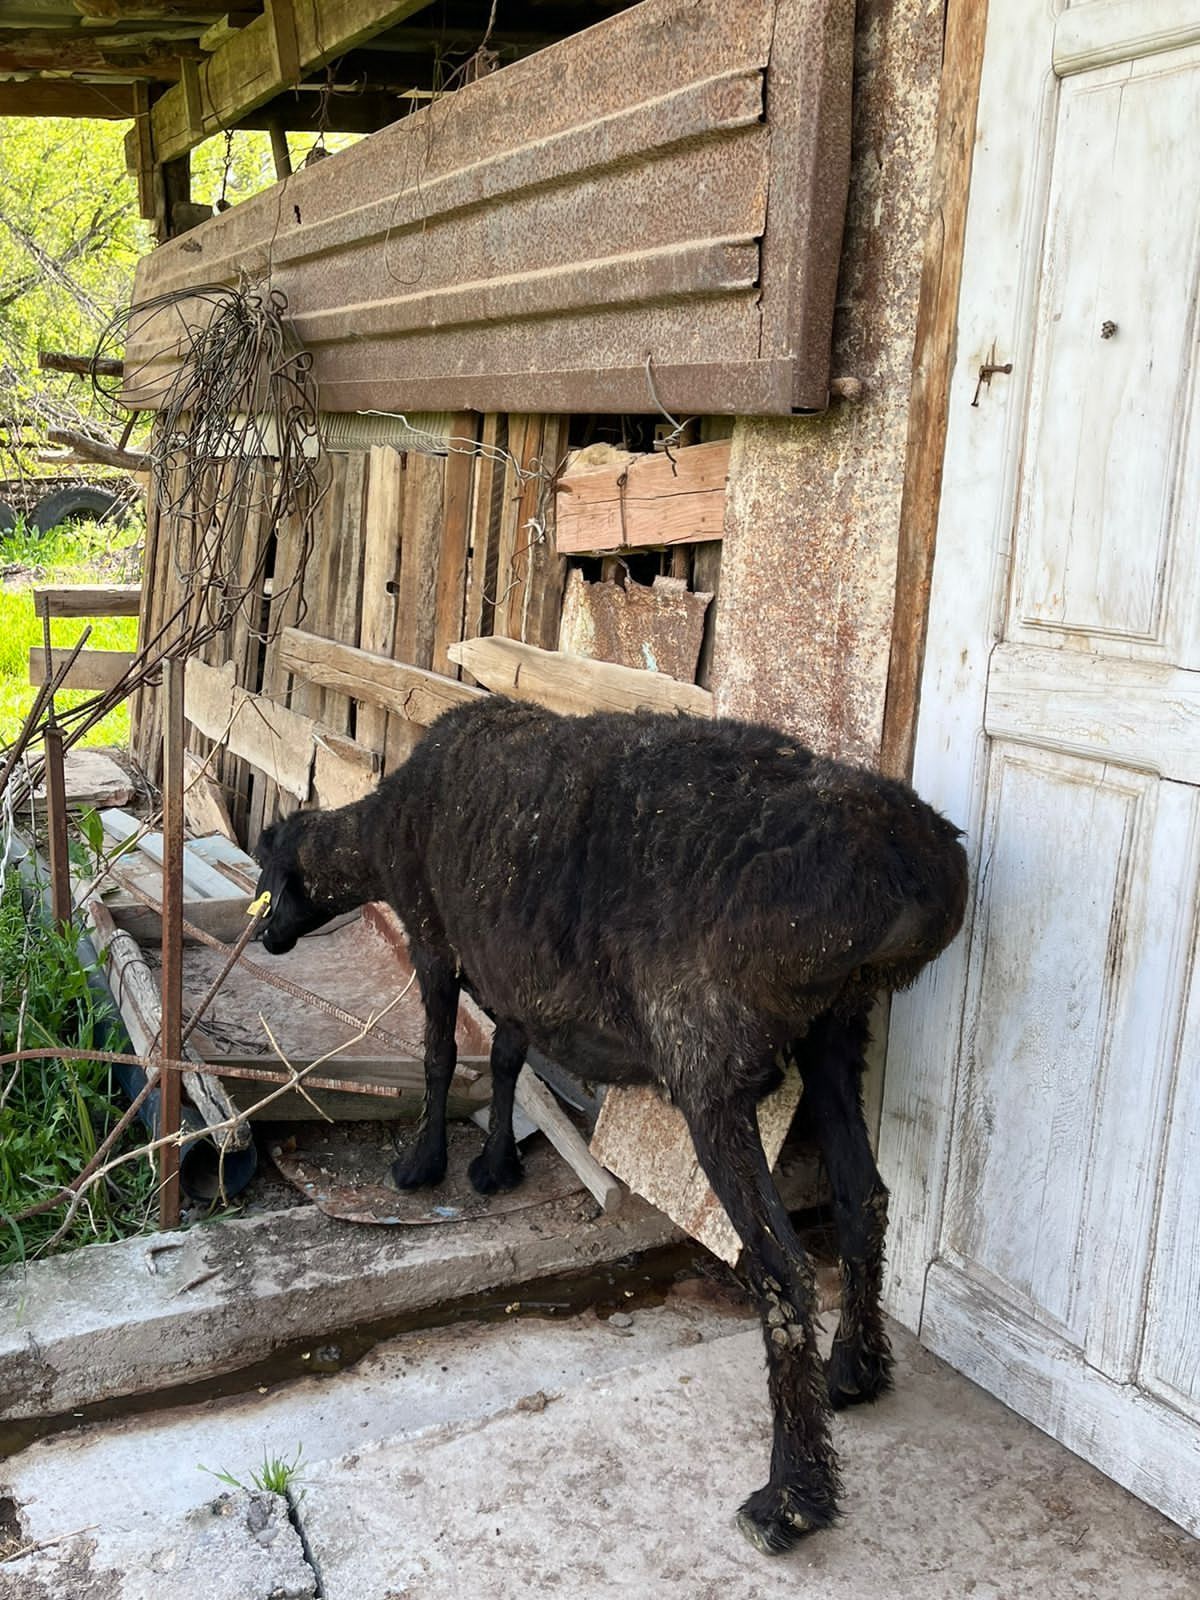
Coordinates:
411 554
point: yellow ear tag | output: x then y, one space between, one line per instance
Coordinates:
260 907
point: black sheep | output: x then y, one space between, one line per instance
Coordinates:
667 900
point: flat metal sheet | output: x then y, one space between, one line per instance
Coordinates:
345 1170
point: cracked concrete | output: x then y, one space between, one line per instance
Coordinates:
584 1458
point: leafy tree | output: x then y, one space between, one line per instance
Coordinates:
70 237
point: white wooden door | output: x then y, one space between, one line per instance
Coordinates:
1041 1120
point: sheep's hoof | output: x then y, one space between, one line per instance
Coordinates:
773 1519
855 1377
494 1176
419 1169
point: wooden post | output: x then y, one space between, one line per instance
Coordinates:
280 153
170 1040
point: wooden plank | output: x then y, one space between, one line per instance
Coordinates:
283 610
547 570
344 770
451 587
528 512
933 365
88 600
92 669
36 98
646 1142
223 919
137 996
502 559
485 523
277 741
381 568
244 72
573 684
540 1106
416 586
636 501
411 693
204 806
201 880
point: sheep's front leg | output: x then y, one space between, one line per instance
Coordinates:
801 1493
831 1063
424 1161
498 1165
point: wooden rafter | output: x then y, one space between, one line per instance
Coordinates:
243 73
118 54
64 99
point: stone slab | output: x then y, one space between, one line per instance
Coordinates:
153 1312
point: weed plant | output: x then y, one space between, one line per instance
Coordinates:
54 1113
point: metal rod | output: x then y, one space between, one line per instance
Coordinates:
56 827
170 1040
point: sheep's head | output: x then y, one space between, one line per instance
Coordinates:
291 911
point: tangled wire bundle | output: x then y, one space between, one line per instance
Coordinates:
236 436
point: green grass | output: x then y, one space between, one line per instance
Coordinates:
276 1476
54 1113
75 553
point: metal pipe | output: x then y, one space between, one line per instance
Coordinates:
170 1039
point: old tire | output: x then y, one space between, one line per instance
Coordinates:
8 517
72 505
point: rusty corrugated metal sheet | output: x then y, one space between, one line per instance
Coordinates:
669 185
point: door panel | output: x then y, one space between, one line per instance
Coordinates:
1041 1118
1114 351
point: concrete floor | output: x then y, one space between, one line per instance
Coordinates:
579 1458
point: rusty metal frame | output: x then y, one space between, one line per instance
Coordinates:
663 193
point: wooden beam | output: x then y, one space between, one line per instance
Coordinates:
82 366
87 600
139 153
92 51
281 15
933 365
107 455
574 684
93 669
408 692
277 741
38 98
243 72
637 501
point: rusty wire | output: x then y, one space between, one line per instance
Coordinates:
236 440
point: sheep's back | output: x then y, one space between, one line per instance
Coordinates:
603 854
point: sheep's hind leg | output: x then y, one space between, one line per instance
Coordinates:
424 1161
801 1494
498 1165
831 1064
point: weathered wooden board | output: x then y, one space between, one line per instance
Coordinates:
277 741
412 693
87 600
646 1143
92 669
450 590
204 807
91 778
381 565
344 770
573 684
624 501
